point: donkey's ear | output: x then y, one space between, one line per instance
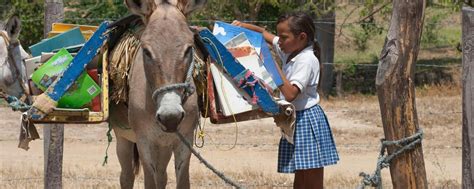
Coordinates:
188 6
13 27
143 8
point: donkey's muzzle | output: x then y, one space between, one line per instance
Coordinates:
170 120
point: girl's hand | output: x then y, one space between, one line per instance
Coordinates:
197 28
237 23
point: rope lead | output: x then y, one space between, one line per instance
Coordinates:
404 144
15 103
208 165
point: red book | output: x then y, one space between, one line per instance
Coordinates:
96 104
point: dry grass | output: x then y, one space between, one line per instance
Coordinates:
81 178
436 106
355 120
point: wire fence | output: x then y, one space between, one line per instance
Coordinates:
376 65
327 22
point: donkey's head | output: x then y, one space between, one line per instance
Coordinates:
167 45
13 77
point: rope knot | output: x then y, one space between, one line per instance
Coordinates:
404 144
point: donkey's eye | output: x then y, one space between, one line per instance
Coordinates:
147 53
147 56
188 55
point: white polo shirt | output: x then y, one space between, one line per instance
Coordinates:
302 71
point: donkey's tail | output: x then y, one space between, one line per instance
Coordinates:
136 160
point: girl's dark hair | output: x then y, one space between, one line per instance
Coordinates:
302 22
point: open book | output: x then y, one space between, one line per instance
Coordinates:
250 50
241 48
227 34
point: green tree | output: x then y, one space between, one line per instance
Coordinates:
93 12
31 16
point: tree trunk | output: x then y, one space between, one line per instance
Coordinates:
467 97
53 134
325 34
396 91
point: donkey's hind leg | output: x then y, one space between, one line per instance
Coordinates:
128 157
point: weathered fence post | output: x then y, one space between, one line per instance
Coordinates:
467 97
396 91
325 34
53 134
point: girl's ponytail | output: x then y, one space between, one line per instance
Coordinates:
317 53
317 49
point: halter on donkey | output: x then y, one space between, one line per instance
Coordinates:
161 102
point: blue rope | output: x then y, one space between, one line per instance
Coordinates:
16 104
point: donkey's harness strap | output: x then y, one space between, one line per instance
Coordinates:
188 88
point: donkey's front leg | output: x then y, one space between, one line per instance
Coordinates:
155 159
181 165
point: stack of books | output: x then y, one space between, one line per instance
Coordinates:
251 51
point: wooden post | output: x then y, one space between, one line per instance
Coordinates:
53 134
396 90
467 97
325 34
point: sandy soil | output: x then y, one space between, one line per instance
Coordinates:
252 162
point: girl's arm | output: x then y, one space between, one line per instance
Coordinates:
287 89
266 35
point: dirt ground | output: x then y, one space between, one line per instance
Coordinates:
252 161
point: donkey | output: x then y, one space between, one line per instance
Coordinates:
13 78
161 99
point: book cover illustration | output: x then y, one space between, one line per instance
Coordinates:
227 33
240 47
232 99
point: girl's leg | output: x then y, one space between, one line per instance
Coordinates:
310 178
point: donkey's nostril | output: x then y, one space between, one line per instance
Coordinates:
157 117
170 120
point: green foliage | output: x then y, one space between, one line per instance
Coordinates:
228 10
93 12
430 35
360 38
265 12
368 25
31 14
438 30
454 6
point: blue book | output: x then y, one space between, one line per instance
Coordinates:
68 38
224 32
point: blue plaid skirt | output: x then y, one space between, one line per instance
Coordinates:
314 145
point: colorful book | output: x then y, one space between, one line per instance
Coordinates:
241 77
240 47
68 38
81 92
227 33
232 100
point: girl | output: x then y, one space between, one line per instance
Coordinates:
314 146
